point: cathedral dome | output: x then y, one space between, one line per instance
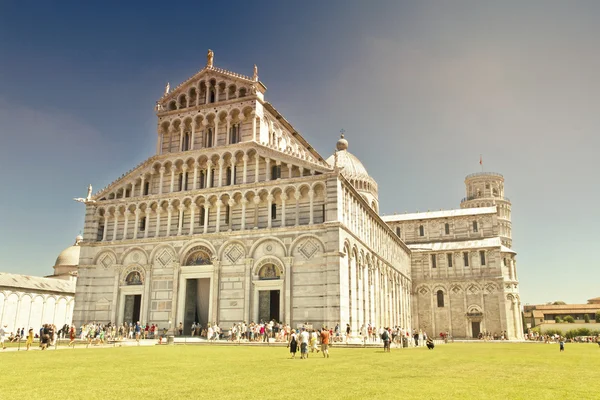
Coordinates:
355 172
70 255
350 165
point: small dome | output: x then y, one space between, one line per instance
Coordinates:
70 255
342 144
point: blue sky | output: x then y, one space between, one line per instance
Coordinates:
421 89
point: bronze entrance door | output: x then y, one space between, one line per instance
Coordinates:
131 312
268 305
476 327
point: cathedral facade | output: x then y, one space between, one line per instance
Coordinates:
238 218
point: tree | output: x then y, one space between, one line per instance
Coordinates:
569 319
598 316
586 318
557 319
559 303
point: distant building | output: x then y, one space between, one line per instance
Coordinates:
30 301
539 314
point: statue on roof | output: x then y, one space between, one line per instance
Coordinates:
255 75
88 198
167 88
209 58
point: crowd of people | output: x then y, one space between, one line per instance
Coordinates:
492 336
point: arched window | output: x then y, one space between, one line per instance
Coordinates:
212 96
185 145
398 231
440 298
208 140
173 105
447 228
273 211
234 134
475 227
269 272
421 230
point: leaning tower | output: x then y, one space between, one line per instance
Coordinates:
486 189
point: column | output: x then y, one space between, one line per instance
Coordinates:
127 215
367 294
207 92
137 222
181 127
160 184
195 184
228 134
116 219
231 203
169 215
216 133
244 177
208 173
180 220
297 196
158 212
172 179
105 228
193 210
269 210
184 177
244 202
256 168
149 212
256 203
198 95
206 211
267 169
253 126
311 195
143 177
283 199
193 134
290 170
221 161
219 202
232 166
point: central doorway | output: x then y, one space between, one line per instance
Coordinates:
197 298
131 312
476 329
268 305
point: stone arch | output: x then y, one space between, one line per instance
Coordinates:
267 239
300 238
232 251
135 256
134 274
106 258
268 260
163 255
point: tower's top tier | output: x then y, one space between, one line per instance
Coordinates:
484 186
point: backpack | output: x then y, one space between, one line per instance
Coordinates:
385 335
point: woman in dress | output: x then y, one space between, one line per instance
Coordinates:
293 344
72 336
29 338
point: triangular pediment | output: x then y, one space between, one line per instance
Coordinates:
209 73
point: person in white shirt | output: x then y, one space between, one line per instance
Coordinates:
3 336
304 343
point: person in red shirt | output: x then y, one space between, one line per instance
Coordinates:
325 342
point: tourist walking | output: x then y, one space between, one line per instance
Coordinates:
72 336
304 343
3 336
293 344
325 342
29 341
561 343
313 342
385 337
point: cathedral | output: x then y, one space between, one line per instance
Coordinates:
238 218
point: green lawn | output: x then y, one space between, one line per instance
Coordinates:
458 371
